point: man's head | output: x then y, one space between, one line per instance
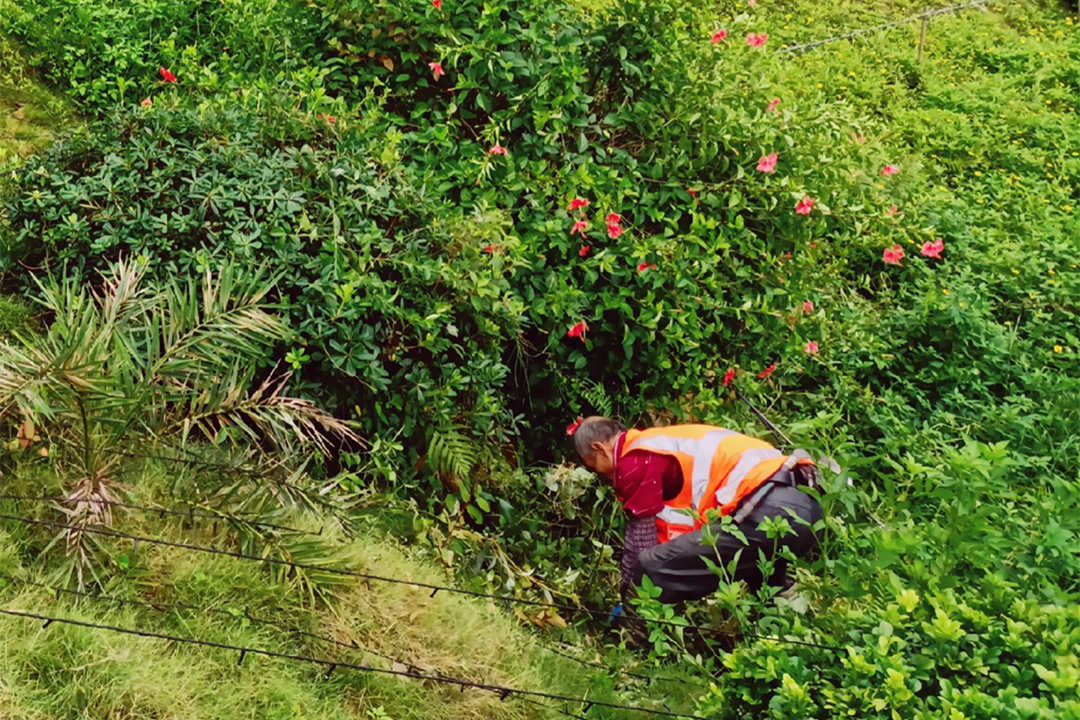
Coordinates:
594 441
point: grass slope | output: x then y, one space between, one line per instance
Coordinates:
29 113
66 671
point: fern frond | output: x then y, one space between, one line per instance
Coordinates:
597 397
452 453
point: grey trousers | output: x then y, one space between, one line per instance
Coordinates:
677 566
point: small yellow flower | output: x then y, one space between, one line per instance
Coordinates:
978 174
1058 348
944 291
1015 271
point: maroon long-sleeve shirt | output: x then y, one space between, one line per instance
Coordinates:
643 480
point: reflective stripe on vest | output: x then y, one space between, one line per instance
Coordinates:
700 451
716 464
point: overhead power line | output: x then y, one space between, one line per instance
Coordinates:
501 690
506 599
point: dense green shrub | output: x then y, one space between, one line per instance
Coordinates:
108 54
432 283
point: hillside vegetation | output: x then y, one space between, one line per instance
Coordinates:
467 224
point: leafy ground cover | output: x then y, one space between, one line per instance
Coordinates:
492 218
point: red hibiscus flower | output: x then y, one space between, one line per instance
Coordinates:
146 102
889 170
811 348
436 69
893 255
613 219
578 331
892 211
729 376
614 231
718 36
578 203
772 104
807 307
579 227
642 267
437 4
489 249
933 249
583 251
572 427
756 40
767 164
496 149
767 371
804 206
166 75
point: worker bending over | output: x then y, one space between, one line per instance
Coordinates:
667 478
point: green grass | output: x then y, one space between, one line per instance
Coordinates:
30 114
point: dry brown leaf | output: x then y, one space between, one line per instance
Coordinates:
387 62
27 435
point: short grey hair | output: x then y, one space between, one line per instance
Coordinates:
595 429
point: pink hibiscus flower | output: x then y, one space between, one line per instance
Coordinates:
811 348
889 170
772 104
893 255
436 69
496 149
804 206
756 40
933 249
767 164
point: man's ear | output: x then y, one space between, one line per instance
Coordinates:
597 446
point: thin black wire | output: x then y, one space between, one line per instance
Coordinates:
289 629
500 690
506 599
883 26
590 663
163 607
190 513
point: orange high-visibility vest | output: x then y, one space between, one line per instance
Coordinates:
719 467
